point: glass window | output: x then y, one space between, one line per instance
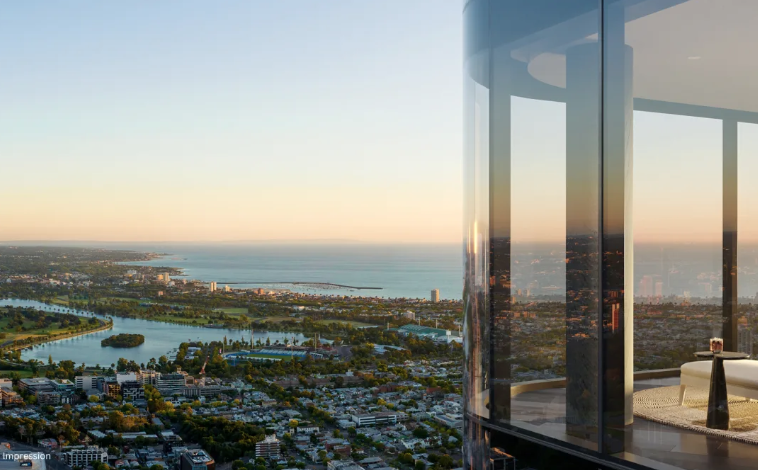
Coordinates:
747 228
614 252
533 72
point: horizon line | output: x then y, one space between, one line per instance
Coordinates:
268 241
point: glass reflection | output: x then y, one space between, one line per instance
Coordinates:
610 228
747 242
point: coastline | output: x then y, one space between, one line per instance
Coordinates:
383 271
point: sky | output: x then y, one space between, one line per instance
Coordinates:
297 120
244 120
676 184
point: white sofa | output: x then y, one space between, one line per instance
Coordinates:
741 377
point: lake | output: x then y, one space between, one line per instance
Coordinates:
160 338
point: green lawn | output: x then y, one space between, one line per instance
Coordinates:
122 299
25 374
177 319
62 300
275 319
12 335
271 356
232 310
355 324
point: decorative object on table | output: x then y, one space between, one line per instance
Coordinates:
718 405
717 345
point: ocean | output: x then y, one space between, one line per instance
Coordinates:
407 270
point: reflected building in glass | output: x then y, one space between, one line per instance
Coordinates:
608 144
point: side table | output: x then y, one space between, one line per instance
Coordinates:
718 404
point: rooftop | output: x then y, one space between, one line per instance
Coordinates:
198 456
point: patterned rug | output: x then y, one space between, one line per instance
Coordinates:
662 406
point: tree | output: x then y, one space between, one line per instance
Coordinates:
419 465
405 458
99 466
420 433
116 420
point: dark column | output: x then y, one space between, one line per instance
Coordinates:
500 236
616 343
582 244
730 235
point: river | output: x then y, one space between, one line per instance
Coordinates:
160 338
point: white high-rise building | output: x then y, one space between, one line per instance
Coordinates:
435 295
268 448
744 339
646 287
166 278
213 286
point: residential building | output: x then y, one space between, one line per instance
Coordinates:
81 456
745 339
343 465
196 459
308 429
36 384
128 377
451 420
344 450
169 436
64 387
435 295
148 377
169 384
86 382
10 397
268 448
375 419
49 398
111 387
132 390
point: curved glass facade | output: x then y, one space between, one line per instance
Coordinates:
610 228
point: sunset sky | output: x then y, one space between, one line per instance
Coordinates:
294 120
245 120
